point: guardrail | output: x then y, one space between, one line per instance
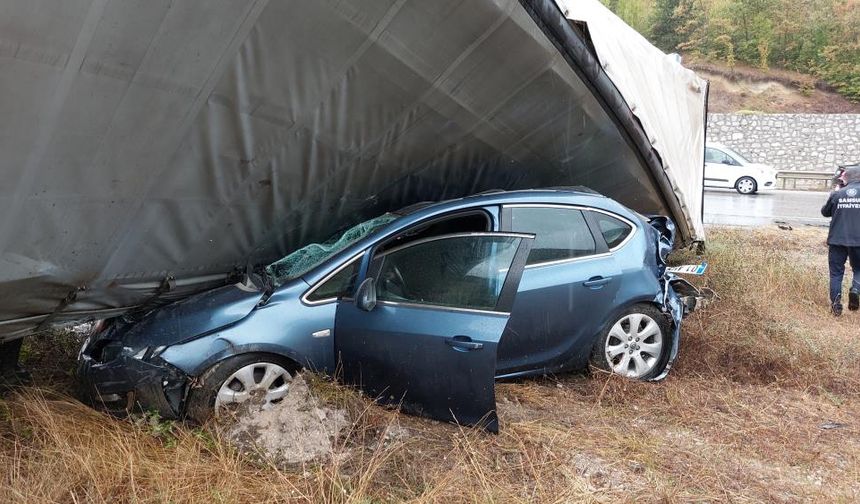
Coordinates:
823 180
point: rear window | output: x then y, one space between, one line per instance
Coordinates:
614 230
560 233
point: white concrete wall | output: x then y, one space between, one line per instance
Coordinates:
816 142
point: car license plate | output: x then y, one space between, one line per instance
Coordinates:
689 269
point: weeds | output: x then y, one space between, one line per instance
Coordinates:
163 430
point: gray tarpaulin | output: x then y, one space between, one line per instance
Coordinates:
147 139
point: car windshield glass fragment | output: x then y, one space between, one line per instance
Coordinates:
308 257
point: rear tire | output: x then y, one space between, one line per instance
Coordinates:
240 377
635 344
746 185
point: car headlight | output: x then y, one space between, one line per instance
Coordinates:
146 353
107 351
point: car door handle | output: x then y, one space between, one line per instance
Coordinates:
463 343
596 282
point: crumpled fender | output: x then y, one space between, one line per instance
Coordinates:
669 300
671 304
679 299
195 316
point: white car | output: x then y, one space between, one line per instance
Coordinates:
726 168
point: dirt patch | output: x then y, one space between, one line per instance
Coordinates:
297 429
602 475
769 91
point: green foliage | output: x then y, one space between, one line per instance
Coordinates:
817 37
664 25
206 437
163 430
636 13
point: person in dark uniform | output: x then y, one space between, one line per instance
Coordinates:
843 240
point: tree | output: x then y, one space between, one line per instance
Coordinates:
664 25
815 37
636 13
691 22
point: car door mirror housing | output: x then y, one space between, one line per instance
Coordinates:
365 298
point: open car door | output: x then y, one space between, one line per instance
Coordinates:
427 320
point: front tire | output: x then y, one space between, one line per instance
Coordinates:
635 345
746 185
238 379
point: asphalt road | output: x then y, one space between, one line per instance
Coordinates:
798 208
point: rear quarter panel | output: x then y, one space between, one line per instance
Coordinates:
637 265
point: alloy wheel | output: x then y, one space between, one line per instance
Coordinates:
634 345
746 185
265 379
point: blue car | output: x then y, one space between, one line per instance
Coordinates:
425 308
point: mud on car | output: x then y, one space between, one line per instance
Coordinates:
425 308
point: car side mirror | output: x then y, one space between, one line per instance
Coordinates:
728 162
365 298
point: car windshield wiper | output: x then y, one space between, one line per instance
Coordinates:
268 282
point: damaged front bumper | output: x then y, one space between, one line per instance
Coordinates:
688 294
126 383
680 298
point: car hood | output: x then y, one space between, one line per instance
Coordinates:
760 167
195 316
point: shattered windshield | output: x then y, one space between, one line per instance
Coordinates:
308 257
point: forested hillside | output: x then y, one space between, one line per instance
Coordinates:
816 37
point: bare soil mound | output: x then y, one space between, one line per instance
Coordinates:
744 88
297 429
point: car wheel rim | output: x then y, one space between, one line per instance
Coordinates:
746 186
266 380
634 345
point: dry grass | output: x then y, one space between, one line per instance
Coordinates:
742 418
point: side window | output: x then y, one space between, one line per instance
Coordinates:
459 223
460 271
561 233
340 285
713 156
614 231
719 157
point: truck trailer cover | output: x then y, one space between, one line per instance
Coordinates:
669 100
149 148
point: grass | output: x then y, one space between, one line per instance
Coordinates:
743 417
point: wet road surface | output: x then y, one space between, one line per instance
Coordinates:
798 208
